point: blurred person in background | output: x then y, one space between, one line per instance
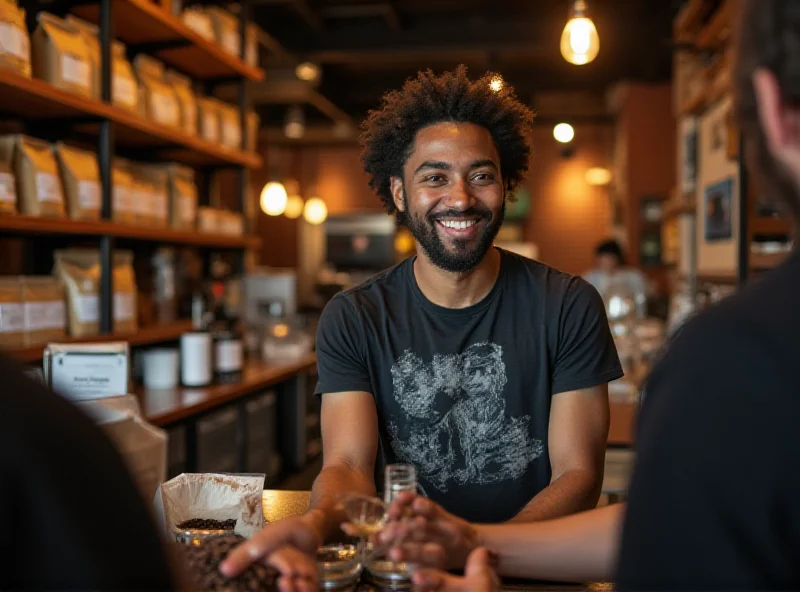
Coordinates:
611 276
714 499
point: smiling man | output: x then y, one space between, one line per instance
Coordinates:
485 370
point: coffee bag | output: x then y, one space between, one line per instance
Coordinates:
208 119
123 199
182 197
226 29
199 21
143 194
12 326
60 55
187 102
125 293
230 126
79 271
8 181
160 101
88 32
158 183
80 176
38 180
15 45
125 88
45 316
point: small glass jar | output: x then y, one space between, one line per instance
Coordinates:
388 575
339 567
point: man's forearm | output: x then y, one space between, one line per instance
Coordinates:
574 491
578 548
330 486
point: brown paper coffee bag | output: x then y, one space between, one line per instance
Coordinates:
160 101
89 33
226 29
8 180
45 316
182 197
208 119
38 180
230 126
125 293
199 21
123 204
158 182
60 55
12 327
125 89
15 44
79 271
187 102
80 176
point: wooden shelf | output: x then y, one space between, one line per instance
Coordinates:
145 336
30 98
23 225
139 22
163 407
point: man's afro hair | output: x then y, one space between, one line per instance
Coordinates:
388 133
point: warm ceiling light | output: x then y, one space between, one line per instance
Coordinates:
496 83
579 41
598 176
564 133
315 211
294 207
307 71
273 199
294 126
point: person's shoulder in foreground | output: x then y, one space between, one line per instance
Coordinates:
73 517
717 450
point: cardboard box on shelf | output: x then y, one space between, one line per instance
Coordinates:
8 181
80 177
187 102
38 183
230 126
15 43
226 29
182 197
208 119
45 316
160 101
60 55
12 319
199 21
123 205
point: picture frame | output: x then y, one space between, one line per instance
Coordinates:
718 211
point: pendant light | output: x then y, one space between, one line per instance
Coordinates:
579 41
273 198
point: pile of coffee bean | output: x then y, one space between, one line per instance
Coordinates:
202 563
207 524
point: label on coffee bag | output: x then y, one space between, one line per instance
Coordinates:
75 71
87 308
124 309
14 41
165 108
123 199
124 90
89 195
42 316
48 188
12 317
8 192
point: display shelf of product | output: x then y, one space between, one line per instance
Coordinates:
31 98
144 336
164 407
141 22
17 224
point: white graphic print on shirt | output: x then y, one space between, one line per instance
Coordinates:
494 447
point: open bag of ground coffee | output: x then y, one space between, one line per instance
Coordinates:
210 502
80 176
60 55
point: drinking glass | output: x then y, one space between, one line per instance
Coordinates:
367 516
398 478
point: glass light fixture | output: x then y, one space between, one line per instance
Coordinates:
273 198
307 71
580 43
598 176
294 206
295 124
563 132
315 211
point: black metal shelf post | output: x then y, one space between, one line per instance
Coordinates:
743 255
105 156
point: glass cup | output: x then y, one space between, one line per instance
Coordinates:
397 479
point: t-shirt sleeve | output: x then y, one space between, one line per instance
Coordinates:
341 350
585 354
713 498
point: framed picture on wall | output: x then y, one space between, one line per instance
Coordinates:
718 211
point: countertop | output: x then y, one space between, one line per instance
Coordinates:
280 504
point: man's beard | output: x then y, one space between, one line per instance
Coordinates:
467 253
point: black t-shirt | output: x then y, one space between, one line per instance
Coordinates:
71 515
715 495
464 394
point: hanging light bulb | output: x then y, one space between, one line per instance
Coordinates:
294 206
273 199
315 211
496 83
579 41
307 71
563 132
295 125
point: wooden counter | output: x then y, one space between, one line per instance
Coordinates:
163 407
284 504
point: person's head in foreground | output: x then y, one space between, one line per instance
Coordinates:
608 256
443 153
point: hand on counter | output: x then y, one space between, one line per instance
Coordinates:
287 545
422 532
479 576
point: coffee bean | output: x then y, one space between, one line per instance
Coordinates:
202 563
207 524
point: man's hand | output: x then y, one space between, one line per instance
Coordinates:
423 533
288 545
479 576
